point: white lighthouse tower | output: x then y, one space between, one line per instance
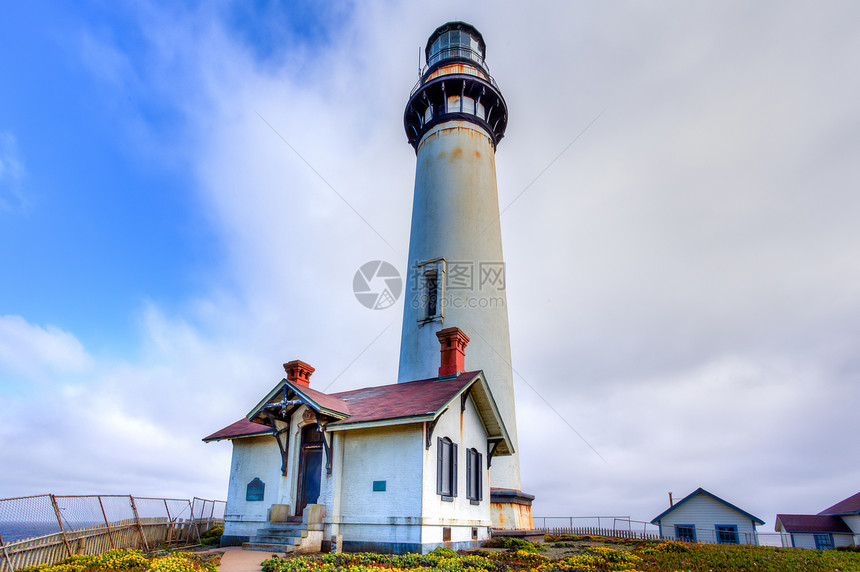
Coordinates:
454 119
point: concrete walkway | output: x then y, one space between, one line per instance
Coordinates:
235 559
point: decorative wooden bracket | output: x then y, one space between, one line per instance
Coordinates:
326 444
464 398
430 426
492 445
283 444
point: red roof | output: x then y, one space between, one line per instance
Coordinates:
812 523
851 505
380 403
241 428
399 400
324 400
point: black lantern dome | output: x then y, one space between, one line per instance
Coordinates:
455 85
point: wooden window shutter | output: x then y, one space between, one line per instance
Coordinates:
480 479
469 491
454 456
439 466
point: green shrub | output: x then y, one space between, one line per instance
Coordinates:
512 543
212 536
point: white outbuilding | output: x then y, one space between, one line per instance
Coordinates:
394 468
704 517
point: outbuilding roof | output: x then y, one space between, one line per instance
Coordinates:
851 505
811 523
701 491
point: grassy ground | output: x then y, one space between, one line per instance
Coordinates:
584 554
558 554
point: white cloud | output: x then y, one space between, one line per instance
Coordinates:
681 282
35 353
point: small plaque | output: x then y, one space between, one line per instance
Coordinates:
378 486
256 490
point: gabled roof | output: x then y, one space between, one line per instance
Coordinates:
811 523
316 400
393 404
851 505
701 491
241 428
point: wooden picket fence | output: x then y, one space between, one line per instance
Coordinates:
136 532
608 532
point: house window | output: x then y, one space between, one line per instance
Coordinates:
727 534
446 468
823 541
685 532
473 476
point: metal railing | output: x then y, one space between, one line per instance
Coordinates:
45 529
608 523
465 70
458 52
625 527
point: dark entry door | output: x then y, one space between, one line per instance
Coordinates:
310 467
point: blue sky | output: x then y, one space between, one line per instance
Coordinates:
105 217
102 220
682 279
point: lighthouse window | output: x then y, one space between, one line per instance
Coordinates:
455 43
479 109
454 104
430 291
469 105
432 281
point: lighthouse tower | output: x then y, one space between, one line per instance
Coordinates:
455 118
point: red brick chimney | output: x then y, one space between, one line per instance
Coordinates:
299 372
453 342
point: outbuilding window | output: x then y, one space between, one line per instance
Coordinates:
446 468
474 476
727 534
823 541
685 532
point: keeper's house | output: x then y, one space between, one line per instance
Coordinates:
393 468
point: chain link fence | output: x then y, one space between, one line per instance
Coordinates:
44 529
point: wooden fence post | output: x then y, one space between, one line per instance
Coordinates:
107 525
137 520
167 534
60 522
194 521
